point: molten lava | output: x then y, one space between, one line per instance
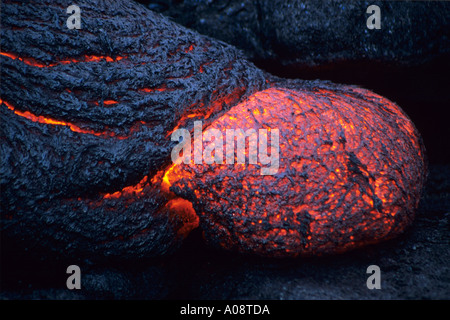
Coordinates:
350 169
350 173
34 63
46 120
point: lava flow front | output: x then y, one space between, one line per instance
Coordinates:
350 173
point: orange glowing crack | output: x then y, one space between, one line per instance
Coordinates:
109 102
191 47
163 88
45 120
175 205
214 108
166 183
131 190
86 58
184 209
137 190
201 70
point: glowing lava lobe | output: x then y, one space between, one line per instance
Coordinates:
351 169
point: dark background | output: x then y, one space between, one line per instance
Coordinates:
411 69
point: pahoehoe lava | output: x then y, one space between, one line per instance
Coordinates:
85 138
351 171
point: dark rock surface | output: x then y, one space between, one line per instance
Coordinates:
116 116
298 33
413 266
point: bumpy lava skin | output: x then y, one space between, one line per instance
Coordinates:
86 119
85 143
351 173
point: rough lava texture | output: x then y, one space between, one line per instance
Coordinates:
86 116
302 33
414 265
89 114
351 171
407 60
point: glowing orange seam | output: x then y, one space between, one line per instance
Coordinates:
35 63
45 120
